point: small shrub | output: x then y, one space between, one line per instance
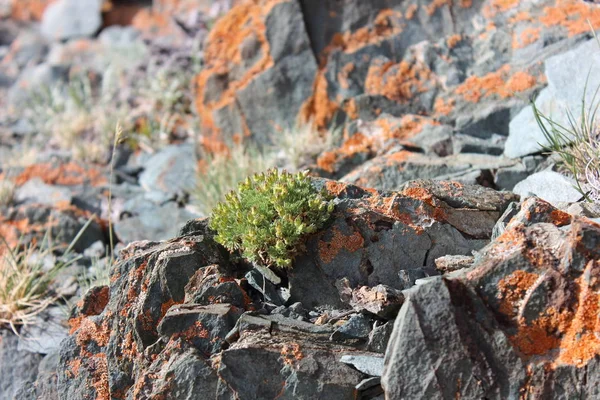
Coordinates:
293 150
270 215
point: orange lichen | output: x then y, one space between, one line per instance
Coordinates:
328 250
291 353
399 82
335 187
74 367
411 11
241 28
196 330
99 366
319 108
498 6
512 290
436 4
575 16
28 10
67 174
351 109
500 83
385 25
528 36
443 107
344 74
453 40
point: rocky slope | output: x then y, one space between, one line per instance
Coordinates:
459 262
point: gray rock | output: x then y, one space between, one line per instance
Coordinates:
357 327
494 145
119 36
35 78
453 263
367 364
507 178
550 186
570 75
37 192
45 334
156 224
16 367
69 19
265 287
380 300
207 326
171 170
44 386
379 337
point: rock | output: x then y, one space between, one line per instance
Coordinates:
485 317
171 170
391 171
570 77
453 263
64 224
159 223
16 367
45 333
205 326
379 337
265 287
370 365
44 386
550 186
33 78
525 136
470 144
507 178
380 300
70 19
37 192
357 327
273 70
412 227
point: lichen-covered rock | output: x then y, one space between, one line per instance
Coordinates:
258 62
520 322
392 238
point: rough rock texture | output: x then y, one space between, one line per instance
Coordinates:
520 322
393 238
180 319
401 77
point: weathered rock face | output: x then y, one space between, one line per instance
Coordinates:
182 318
438 77
258 61
393 238
520 322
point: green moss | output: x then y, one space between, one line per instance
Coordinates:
270 215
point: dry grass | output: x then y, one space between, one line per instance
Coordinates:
79 116
7 192
25 279
577 144
293 150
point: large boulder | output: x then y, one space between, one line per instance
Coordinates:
520 322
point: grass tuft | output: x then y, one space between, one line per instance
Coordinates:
577 143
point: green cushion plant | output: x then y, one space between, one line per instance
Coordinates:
270 215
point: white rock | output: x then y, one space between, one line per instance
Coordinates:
550 186
68 19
